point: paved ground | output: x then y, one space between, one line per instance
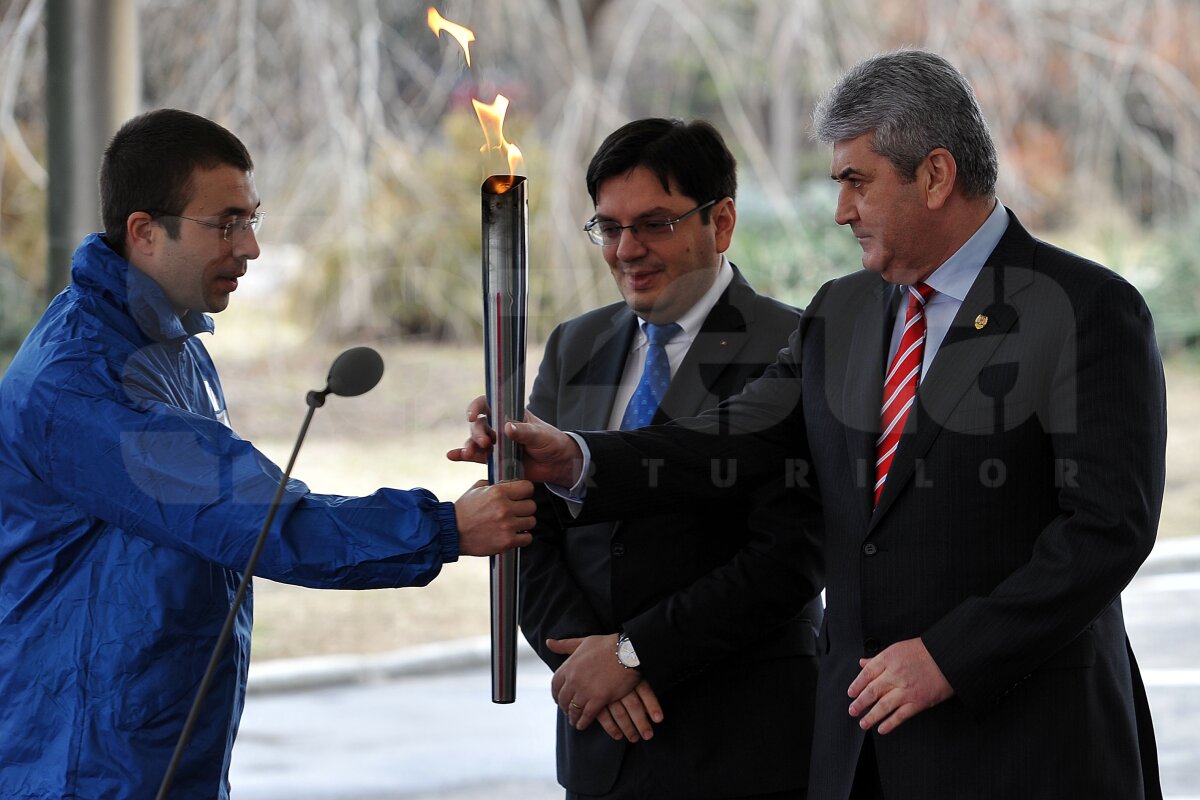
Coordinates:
416 738
432 732
1160 614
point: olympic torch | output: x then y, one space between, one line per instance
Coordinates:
505 299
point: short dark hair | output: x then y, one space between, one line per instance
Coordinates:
692 154
913 102
148 165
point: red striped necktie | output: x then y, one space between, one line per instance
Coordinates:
900 384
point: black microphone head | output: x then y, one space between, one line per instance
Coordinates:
355 372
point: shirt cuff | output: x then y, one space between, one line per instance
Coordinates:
575 495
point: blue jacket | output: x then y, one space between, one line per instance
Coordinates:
127 509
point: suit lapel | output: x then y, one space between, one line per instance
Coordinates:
863 389
964 352
722 336
600 374
696 385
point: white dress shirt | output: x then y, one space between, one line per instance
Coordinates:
676 349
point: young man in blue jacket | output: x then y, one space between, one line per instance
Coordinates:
128 506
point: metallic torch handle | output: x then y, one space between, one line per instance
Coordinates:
505 298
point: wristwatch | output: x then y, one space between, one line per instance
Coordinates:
626 655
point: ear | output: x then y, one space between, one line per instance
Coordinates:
937 175
141 234
724 216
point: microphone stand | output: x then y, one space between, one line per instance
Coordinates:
344 383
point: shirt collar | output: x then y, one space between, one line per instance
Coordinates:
692 321
956 275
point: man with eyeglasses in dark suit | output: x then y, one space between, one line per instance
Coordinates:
693 620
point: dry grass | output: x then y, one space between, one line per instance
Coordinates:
397 436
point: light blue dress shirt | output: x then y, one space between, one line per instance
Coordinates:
952 280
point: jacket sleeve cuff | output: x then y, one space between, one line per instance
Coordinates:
447 524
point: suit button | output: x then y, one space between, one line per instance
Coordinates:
618 549
871 646
870 549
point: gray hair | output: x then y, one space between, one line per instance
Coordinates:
913 101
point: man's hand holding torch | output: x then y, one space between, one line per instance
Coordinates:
495 519
548 454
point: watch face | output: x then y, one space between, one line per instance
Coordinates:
626 654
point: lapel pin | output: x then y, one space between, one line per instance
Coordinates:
980 322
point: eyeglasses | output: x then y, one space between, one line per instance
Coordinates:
607 233
227 229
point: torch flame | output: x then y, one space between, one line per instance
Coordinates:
464 35
491 117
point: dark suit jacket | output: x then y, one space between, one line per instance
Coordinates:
711 597
1024 495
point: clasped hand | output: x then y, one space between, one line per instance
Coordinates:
591 685
896 685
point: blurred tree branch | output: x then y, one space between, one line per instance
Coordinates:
367 148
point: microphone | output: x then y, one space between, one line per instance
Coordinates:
356 371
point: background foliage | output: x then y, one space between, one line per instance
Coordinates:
368 152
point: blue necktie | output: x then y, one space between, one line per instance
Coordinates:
656 377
